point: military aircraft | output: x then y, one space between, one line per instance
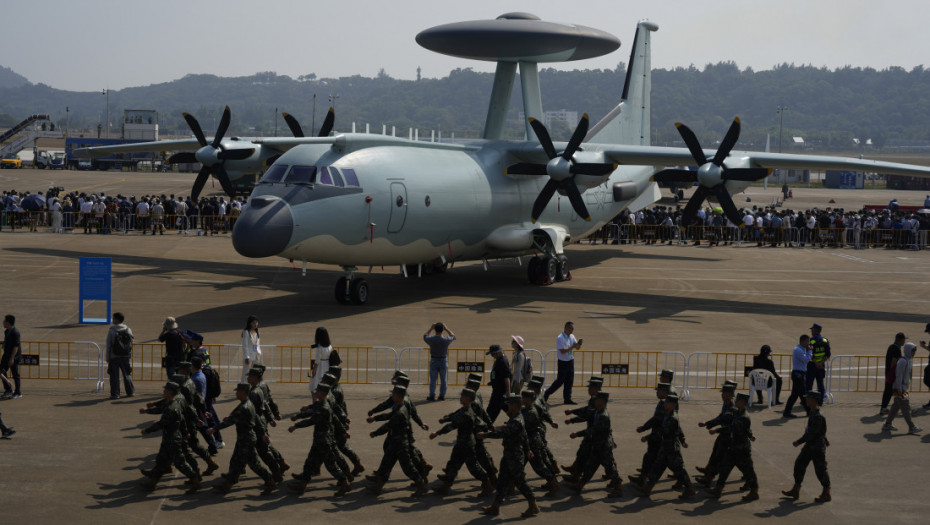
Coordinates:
227 160
356 200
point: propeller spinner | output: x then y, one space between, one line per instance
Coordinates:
711 175
561 169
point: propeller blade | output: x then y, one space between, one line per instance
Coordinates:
689 214
235 154
574 195
221 130
576 139
674 175
543 199
746 174
543 135
729 140
219 173
692 142
526 168
184 157
195 128
293 124
327 126
592 168
726 202
199 183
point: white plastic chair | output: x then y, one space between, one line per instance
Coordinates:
759 382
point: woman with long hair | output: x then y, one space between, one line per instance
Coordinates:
251 347
323 348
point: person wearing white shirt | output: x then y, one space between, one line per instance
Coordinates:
251 347
54 208
323 348
566 344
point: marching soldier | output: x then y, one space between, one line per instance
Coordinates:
542 406
815 449
396 444
249 430
669 454
653 440
401 379
482 424
534 425
583 414
173 443
322 450
341 424
267 391
739 451
516 452
601 447
723 438
266 451
463 422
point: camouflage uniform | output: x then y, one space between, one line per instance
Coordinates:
320 416
249 431
516 445
463 421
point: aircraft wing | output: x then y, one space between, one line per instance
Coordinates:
354 141
190 144
662 156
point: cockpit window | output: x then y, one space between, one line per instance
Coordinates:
337 178
275 173
325 177
301 174
351 178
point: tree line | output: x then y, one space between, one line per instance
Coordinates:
828 108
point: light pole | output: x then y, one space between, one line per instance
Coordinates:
106 93
781 120
332 101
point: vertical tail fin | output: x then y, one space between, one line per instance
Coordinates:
630 122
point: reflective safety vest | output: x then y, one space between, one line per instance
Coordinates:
819 344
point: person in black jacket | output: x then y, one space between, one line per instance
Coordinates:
891 359
174 345
500 382
764 361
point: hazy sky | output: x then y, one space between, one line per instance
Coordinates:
87 45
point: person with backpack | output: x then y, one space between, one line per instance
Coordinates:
520 365
119 353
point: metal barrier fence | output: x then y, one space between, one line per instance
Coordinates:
84 360
62 360
708 370
620 369
110 222
415 360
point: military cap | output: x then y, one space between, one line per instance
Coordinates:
398 373
742 396
540 379
402 381
475 377
324 388
180 379
467 392
260 367
255 372
534 383
513 398
663 386
244 387
399 389
728 386
667 372
672 397
494 349
171 385
602 395
813 394
329 379
185 365
528 393
596 381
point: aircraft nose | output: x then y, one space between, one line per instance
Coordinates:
264 229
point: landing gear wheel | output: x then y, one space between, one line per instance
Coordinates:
342 293
358 291
550 269
532 269
563 273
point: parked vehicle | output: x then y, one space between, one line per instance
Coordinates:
10 161
58 161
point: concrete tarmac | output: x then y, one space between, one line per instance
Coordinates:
76 454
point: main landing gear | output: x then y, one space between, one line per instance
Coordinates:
351 289
548 270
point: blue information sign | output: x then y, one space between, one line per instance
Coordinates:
95 279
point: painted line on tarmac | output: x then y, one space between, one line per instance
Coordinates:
97 185
777 294
852 257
